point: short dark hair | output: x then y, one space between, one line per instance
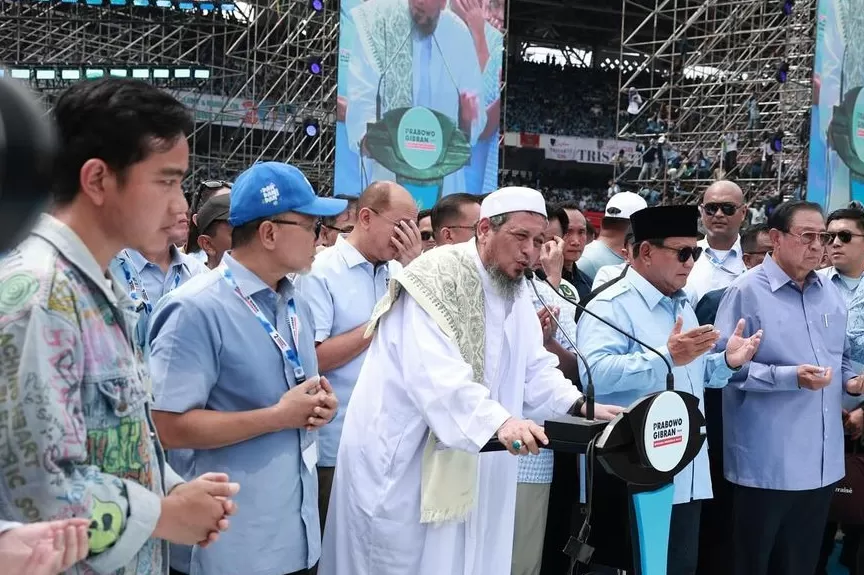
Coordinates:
750 237
855 214
352 207
449 208
554 212
244 235
781 217
118 120
569 205
590 230
423 214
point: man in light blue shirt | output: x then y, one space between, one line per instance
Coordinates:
782 427
345 283
650 303
149 277
608 248
235 376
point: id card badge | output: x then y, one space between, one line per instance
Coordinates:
310 456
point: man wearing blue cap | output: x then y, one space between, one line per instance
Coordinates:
236 377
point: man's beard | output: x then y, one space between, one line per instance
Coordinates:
507 287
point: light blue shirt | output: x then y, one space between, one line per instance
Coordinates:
342 290
854 298
777 436
210 352
154 282
596 255
624 371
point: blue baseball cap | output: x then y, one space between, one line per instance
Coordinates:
272 188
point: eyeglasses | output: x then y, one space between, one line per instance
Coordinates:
807 238
425 236
315 227
727 208
394 222
845 236
345 230
684 253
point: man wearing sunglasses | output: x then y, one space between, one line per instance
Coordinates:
782 427
649 302
340 225
846 253
235 375
723 211
424 224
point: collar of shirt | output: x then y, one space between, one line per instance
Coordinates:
250 284
140 262
777 278
73 249
711 253
650 294
349 253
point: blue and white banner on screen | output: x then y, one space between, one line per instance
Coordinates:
836 170
445 55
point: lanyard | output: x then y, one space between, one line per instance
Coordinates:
136 287
291 311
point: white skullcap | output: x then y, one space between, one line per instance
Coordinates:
513 199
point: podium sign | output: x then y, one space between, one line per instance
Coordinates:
421 146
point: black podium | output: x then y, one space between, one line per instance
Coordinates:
644 447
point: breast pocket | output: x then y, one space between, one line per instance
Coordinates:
832 327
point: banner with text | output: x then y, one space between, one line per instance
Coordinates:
573 149
836 167
238 112
419 91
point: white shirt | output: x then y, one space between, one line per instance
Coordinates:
414 380
731 140
714 270
607 274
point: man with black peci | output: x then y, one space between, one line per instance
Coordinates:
649 302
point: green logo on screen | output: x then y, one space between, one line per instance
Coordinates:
420 140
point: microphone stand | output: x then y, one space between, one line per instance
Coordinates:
670 378
589 386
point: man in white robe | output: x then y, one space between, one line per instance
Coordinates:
414 382
427 57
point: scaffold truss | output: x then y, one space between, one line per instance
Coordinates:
696 86
245 69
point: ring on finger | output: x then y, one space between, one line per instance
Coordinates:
517 445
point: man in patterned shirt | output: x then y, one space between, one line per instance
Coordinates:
76 438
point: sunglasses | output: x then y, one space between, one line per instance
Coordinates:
314 228
845 236
206 185
727 208
426 236
807 238
685 253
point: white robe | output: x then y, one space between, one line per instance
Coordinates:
413 379
453 68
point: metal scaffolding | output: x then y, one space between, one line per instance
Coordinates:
254 103
697 84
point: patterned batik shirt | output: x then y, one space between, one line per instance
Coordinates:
76 438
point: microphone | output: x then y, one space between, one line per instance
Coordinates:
589 386
384 73
670 378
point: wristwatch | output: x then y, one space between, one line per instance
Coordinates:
576 409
